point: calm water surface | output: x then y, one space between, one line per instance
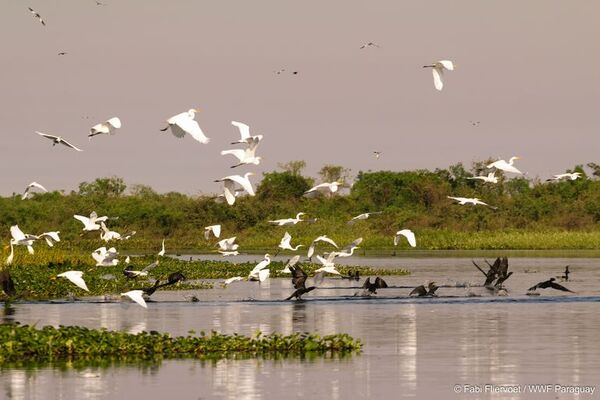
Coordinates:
419 348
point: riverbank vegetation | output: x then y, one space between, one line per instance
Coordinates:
531 214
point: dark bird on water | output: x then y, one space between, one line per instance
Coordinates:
422 291
565 275
498 272
62 53
299 282
372 287
550 284
172 279
8 286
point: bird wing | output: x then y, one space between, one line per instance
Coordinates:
559 287
37 185
228 191
437 78
408 234
298 277
380 283
311 250
238 153
46 135
535 287
449 65
177 131
243 182
327 240
64 142
82 219
190 126
321 260
263 274
419 290
151 266
355 243
217 230
114 123
292 261
244 130
367 283
136 295
75 278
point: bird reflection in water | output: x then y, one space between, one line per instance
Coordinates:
298 313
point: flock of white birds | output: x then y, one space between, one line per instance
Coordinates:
233 185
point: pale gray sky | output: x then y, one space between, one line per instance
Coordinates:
528 70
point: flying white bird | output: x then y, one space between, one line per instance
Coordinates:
229 186
37 15
285 243
22 239
245 134
288 221
490 178
254 274
506 166
58 140
107 128
291 262
31 186
369 44
377 154
363 216
408 234
221 197
105 258
322 238
107 235
349 250
76 278
245 156
215 229
50 237
438 72
184 123
328 264
137 296
89 224
162 251
228 244
231 280
467 200
229 253
325 187
569 176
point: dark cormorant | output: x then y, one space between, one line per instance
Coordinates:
299 282
550 284
372 287
421 291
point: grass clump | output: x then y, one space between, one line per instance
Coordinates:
21 343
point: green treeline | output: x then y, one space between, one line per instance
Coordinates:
531 213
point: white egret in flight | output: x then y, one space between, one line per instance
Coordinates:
89 224
107 235
254 274
31 186
322 238
291 262
137 296
105 258
183 123
244 156
408 234
58 140
229 186
107 127
490 178
349 250
245 134
130 273
468 200
215 229
228 244
568 176
76 278
285 243
438 72
288 221
50 237
328 264
364 216
22 239
506 166
325 187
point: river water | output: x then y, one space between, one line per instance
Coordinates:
426 348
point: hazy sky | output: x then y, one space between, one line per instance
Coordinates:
528 70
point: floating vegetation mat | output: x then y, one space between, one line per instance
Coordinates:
21 343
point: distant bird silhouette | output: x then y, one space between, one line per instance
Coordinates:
498 272
566 274
299 282
63 53
37 15
549 284
369 44
372 287
422 291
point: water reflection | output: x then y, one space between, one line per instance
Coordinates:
411 349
